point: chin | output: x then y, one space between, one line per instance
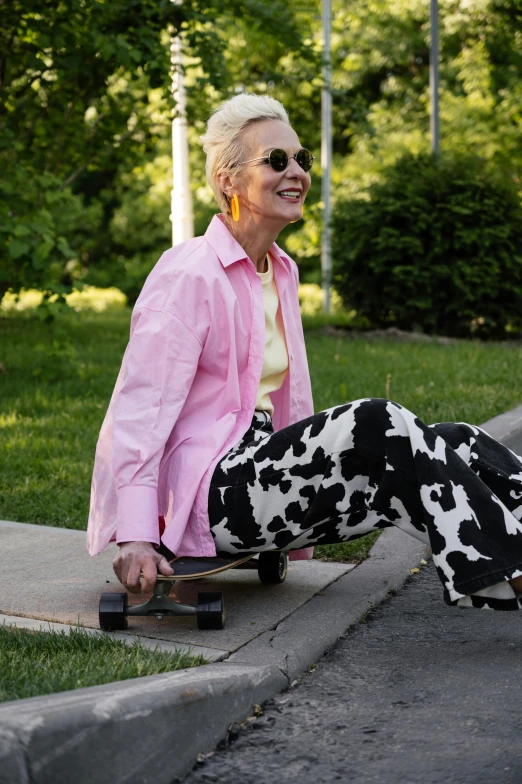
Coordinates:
291 218
287 217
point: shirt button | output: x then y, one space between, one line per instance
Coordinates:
295 400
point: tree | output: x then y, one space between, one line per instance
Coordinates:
75 83
255 60
85 104
380 58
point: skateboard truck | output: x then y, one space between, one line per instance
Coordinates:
210 609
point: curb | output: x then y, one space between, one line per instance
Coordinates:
147 729
104 733
505 427
303 638
151 729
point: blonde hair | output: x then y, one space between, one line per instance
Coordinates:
222 141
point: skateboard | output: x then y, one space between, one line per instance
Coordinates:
210 610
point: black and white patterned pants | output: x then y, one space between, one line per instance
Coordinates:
371 464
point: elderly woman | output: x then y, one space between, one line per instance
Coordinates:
211 443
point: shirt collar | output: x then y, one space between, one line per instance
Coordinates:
229 250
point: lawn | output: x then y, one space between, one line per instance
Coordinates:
48 662
58 380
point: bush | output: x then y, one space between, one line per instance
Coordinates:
44 231
435 247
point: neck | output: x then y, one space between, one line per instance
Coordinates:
254 240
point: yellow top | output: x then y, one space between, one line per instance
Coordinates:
275 365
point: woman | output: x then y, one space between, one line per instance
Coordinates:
211 424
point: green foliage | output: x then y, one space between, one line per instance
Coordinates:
85 113
66 112
38 220
435 247
80 88
380 58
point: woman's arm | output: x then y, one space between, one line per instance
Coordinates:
158 370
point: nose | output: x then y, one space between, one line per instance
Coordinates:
294 171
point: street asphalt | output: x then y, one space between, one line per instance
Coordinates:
418 692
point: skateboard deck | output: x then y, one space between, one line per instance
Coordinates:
194 568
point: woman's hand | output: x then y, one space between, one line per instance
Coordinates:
137 557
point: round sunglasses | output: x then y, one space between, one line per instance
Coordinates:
278 159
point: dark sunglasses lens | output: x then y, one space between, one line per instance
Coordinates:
305 159
278 160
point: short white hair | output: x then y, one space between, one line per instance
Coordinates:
222 141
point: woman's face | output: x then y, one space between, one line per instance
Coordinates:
273 196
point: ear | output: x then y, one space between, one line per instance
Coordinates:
225 183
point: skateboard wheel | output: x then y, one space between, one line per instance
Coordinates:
113 611
272 567
211 610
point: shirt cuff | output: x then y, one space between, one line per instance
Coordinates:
137 517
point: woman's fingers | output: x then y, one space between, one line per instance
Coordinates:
132 583
149 571
118 566
134 559
164 567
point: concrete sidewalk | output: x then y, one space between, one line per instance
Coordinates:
65 586
273 634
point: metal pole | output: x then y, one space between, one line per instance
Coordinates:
326 156
434 77
181 210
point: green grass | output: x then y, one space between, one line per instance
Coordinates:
347 552
462 381
53 398
32 664
49 426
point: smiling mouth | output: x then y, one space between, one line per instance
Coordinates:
290 195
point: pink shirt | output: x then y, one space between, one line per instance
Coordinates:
187 389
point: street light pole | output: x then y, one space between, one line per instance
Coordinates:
326 156
434 77
181 205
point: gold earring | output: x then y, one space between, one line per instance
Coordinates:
234 207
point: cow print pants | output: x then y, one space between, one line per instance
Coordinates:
371 464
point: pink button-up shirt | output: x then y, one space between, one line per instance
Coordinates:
186 391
